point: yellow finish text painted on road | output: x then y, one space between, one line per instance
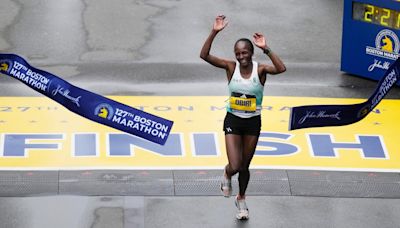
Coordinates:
37 133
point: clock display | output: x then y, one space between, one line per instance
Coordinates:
376 15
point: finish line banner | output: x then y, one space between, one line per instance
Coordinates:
339 115
87 104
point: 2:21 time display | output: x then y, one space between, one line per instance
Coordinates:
376 15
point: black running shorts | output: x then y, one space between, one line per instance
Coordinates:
242 126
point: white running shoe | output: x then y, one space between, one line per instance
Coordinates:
243 211
226 186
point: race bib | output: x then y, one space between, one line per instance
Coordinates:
243 104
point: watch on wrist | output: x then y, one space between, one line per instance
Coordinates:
267 51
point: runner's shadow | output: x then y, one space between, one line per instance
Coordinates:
242 223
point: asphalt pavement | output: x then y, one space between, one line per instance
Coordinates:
151 47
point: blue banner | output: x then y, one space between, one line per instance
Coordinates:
87 104
338 115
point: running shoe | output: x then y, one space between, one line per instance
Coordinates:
243 211
226 186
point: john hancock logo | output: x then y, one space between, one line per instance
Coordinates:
387 45
104 111
5 66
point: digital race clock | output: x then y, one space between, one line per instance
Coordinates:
370 38
376 15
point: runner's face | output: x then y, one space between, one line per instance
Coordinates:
243 53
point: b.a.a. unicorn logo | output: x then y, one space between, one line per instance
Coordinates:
5 66
104 111
386 45
364 111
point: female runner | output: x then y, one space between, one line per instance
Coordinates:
242 124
